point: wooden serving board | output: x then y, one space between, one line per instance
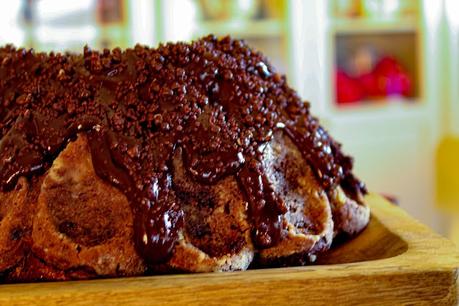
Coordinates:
396 260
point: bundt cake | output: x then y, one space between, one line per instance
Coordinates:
185 158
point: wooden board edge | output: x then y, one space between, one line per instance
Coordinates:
430 262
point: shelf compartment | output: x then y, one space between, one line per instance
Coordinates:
370 67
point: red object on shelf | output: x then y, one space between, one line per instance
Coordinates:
388 78
348 89
392 78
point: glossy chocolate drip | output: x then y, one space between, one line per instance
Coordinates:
216 99
266 208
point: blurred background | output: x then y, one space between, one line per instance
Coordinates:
383 75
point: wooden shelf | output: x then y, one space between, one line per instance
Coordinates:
367 25
242 28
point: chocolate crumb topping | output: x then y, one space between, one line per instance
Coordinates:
217 99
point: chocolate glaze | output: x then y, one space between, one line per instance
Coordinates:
216 98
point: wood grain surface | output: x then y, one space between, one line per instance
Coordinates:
395 261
